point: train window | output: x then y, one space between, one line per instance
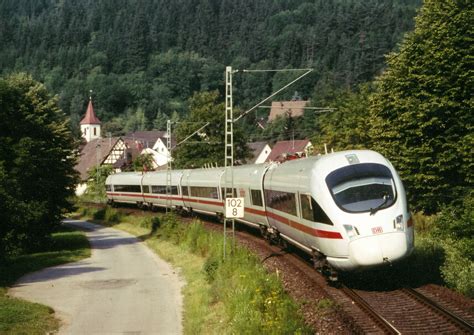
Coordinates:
310 210
204 192
128 188
174 190
146 189
184 191
161 189
158 189
108 188
223 192
282 201
257 198
365 187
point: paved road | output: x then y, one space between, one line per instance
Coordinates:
122 288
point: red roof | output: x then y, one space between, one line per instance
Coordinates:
284 148
90 117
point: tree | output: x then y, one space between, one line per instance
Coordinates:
96 180
37 158
207 146
423 111
344 128
143 162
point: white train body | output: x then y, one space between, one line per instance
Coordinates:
347 209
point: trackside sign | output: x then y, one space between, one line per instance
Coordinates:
234 208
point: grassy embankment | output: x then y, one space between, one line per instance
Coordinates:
236 296
19 316
239 296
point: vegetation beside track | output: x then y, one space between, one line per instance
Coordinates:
443 255
18 316
233 296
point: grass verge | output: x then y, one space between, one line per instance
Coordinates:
220 297
19 316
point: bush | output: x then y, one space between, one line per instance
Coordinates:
454 227
111 215
99 215
458 269
254 301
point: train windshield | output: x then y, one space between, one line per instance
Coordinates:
366 187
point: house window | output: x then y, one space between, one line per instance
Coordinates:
95 131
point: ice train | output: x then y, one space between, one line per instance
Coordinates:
347 209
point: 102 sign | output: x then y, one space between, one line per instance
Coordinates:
234 207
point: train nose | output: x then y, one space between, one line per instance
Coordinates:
376 249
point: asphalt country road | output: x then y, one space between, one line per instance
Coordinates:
123 288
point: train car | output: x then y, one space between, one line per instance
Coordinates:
154 189
248 184
201 190
125 187
347 209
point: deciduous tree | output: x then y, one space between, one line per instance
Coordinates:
207 146
37 158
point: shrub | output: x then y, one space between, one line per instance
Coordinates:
111 215
454 227
99 215
458 269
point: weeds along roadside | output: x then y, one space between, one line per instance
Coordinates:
233 296
19 316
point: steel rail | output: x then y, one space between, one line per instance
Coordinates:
453 318
381 322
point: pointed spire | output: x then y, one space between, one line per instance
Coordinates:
90 117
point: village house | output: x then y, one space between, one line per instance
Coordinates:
288 150
118 152
260 152
293 108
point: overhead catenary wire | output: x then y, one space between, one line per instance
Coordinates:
308 71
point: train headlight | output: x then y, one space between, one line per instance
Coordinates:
351 231
398 223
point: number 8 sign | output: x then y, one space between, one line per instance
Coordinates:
234 207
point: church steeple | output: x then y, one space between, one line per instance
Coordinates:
90 124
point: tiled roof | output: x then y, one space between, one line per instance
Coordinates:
90 117
255 148
148 138
94 151
281 108
283 148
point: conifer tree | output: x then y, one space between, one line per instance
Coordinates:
423 112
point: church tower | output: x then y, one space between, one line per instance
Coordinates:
90 124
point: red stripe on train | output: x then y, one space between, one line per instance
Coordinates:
298 226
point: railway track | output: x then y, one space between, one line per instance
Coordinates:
407 311
396 311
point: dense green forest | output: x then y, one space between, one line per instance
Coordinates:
144 59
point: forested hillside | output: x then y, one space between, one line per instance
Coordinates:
144 59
